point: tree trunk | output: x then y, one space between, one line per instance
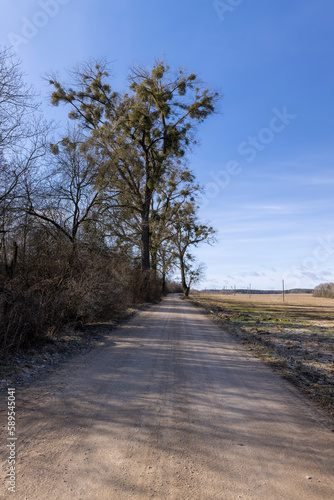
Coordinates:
154 259
163 283
72 258
10 267
145 238
185 287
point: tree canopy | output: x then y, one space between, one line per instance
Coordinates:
138 136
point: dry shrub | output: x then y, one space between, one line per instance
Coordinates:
22 319
55 284
146 286
100 290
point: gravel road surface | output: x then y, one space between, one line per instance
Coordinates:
168 407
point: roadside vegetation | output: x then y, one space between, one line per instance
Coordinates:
96 216
296 337
324 290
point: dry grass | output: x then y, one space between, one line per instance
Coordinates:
298 301
295 336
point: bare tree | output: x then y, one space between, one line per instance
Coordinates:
67 199
188 233
23 138
17 102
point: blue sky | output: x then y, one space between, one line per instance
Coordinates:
266 160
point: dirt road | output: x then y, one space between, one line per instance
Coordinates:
169 406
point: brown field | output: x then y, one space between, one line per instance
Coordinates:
300 302
295 336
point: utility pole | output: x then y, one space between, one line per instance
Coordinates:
283 289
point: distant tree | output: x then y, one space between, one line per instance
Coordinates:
194 273
188 233
177 189
324 290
